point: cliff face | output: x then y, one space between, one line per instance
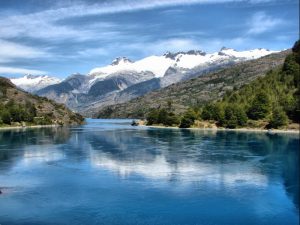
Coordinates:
20 107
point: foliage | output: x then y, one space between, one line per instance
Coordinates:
234 116
13 112
278 118
213 111
260 106
162 116
188 119
274 98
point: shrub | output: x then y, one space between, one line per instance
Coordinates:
278 118
188 119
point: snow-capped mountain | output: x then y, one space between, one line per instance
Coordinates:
32 83
125 79
158 65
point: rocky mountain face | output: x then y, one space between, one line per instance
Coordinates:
195 91
124 79
18 106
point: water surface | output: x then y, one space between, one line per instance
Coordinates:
107 172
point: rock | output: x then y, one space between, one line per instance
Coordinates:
134 123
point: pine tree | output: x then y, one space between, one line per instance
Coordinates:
278 118
260 106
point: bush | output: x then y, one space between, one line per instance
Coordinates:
278 118
188 119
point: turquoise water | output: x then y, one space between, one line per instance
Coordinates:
108 172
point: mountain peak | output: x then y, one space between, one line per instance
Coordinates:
190 52
30 76
32 83
225 48
195 52
121 60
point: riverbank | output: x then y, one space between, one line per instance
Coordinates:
25 127
204 125
226 129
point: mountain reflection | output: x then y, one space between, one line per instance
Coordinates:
31 144
216 159
210 159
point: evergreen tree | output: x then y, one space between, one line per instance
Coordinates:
5 116
152 117
260 106
234 116
188 119
213 111
278 118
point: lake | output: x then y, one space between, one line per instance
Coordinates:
107 172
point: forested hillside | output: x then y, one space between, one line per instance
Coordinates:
19 108
271 101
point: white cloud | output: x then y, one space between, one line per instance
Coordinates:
161 46
13 70
261 22
93 52
50 25
10 51
45 24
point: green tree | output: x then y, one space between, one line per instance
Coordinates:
188 119
230 120
162 116
234 116
171 119
152 117
5 116
213 111
278 118
260 106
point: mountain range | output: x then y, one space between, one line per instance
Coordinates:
196 91
125 79
32 83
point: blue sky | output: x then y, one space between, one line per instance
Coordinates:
64 37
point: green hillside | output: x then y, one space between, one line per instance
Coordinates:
271 101
19 108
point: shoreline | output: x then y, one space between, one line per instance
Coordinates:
271 131
26 127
